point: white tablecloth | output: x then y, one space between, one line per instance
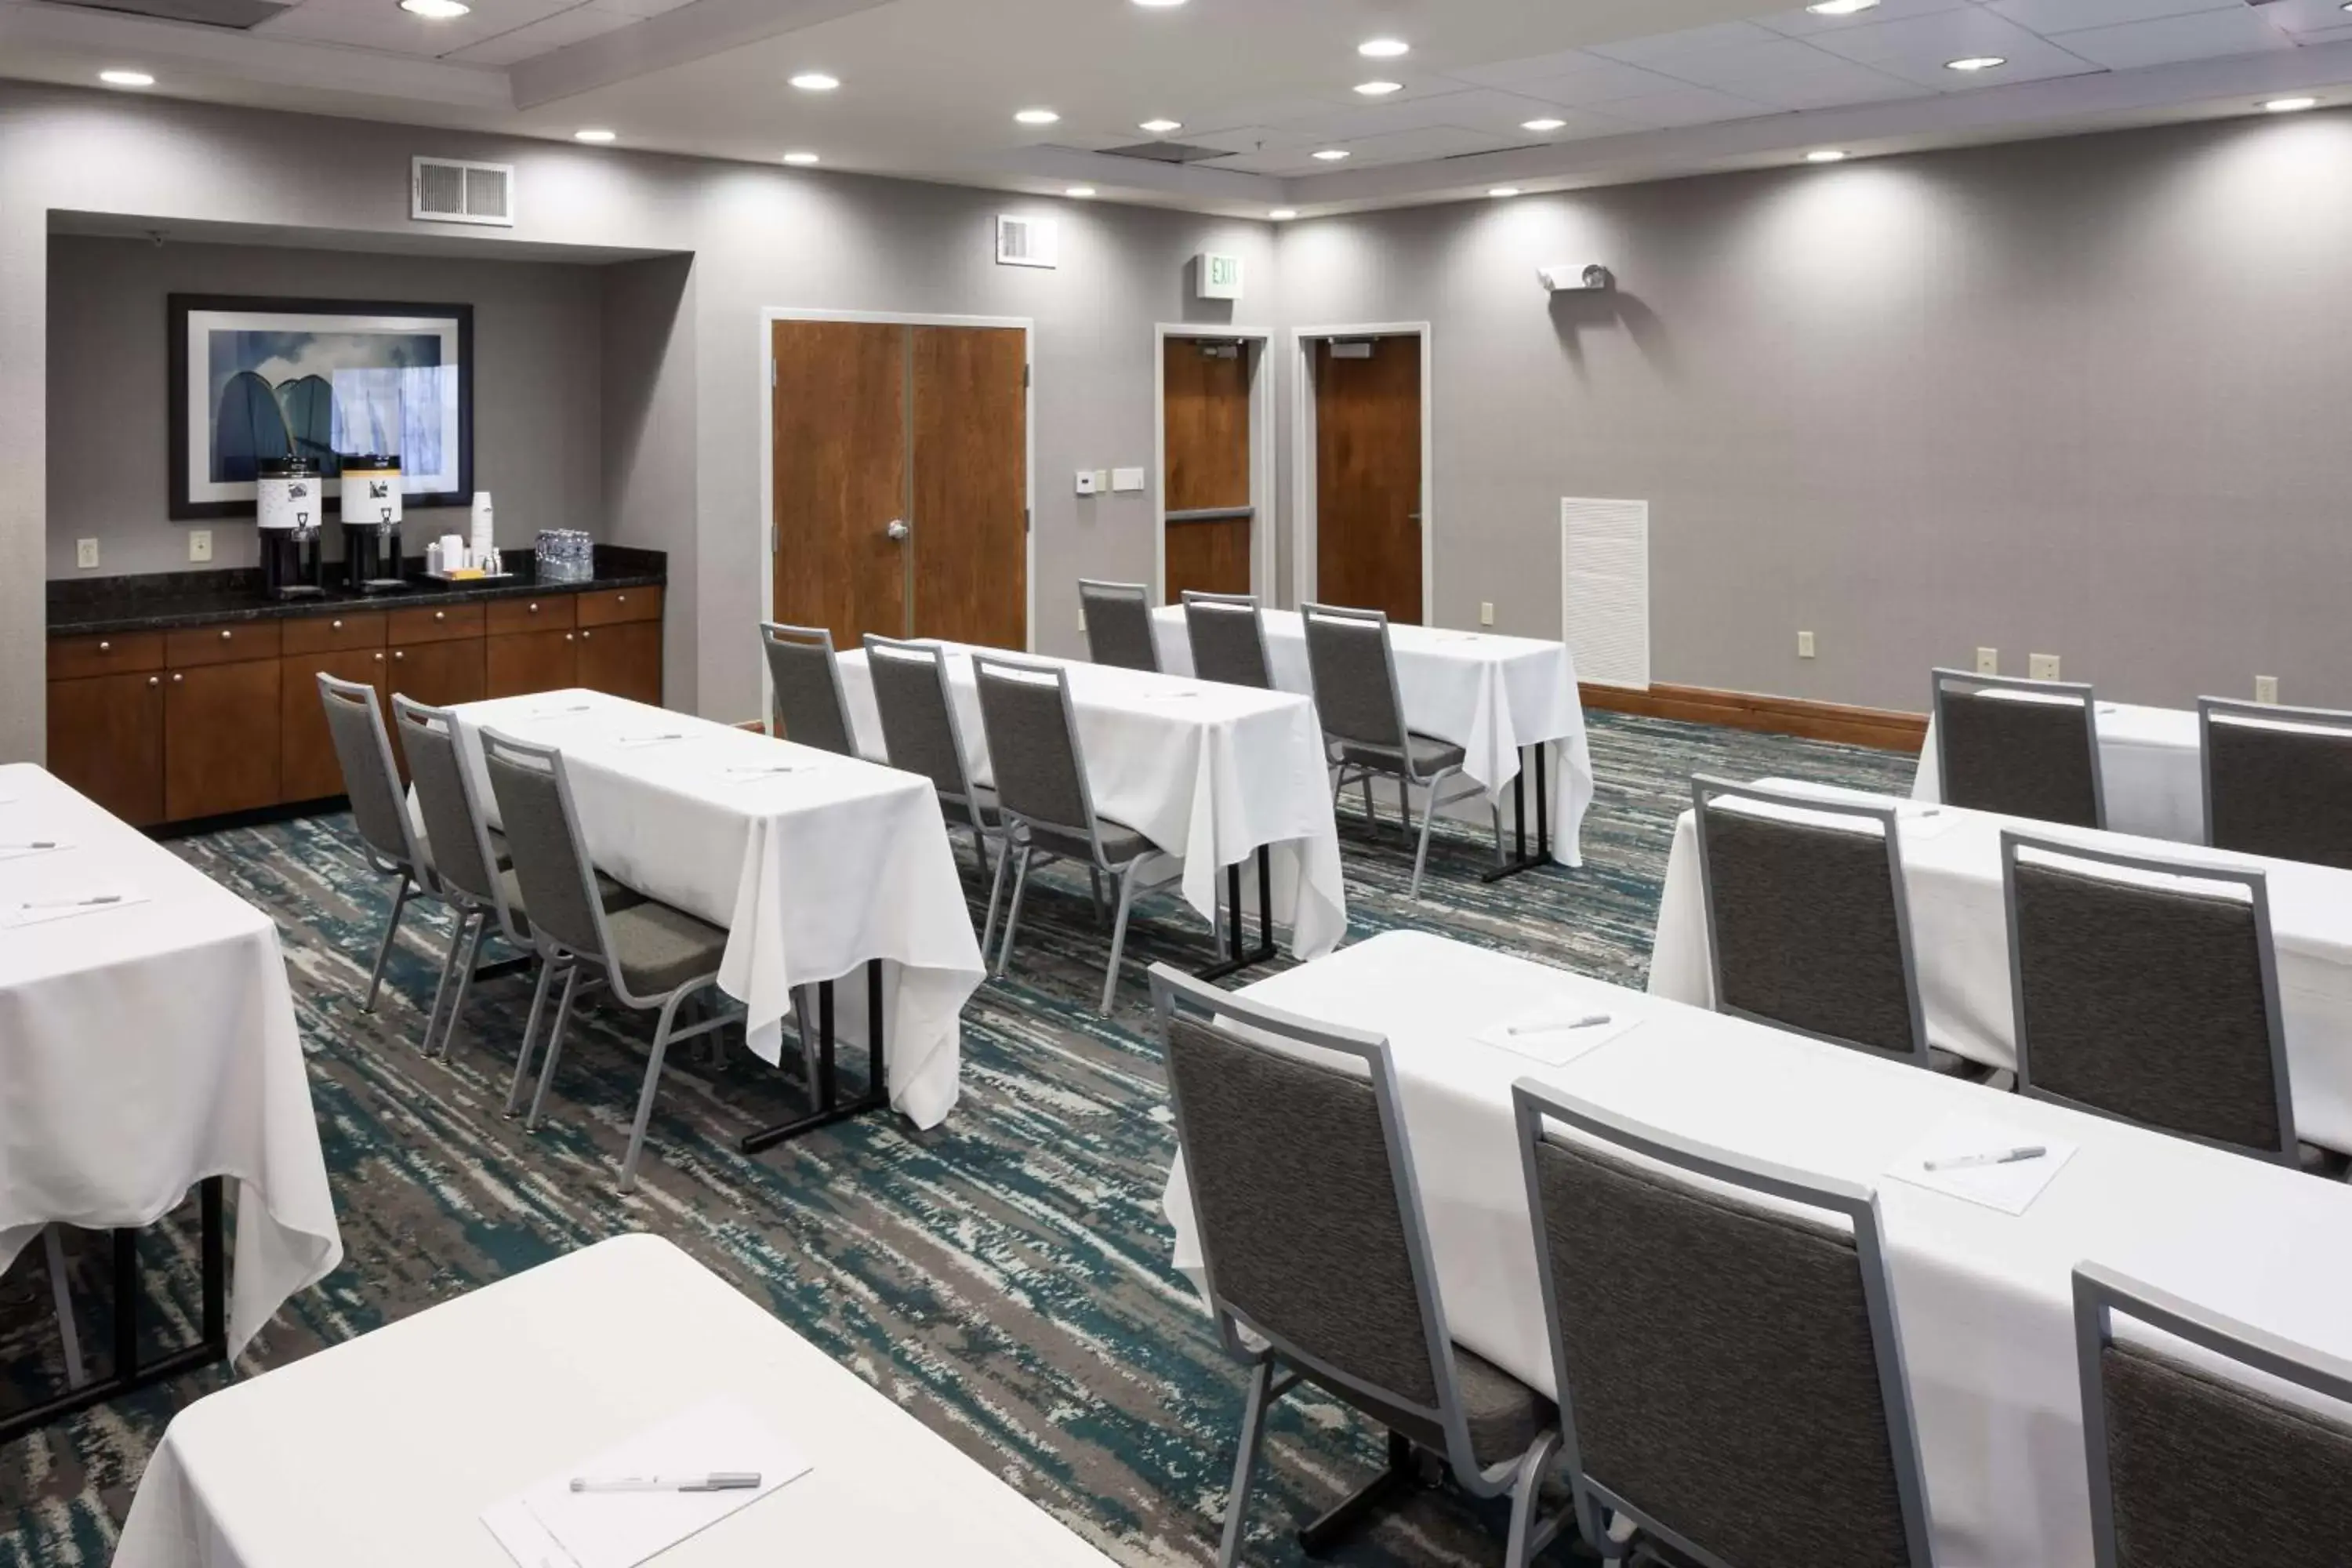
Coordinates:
2150 771
146 1048
1490 695
383 1452
1981 1298
811 874
1208 773
1960 939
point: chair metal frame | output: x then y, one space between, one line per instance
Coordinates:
773 634
517 752
1705 789
1405 771
1520 1478
1226 604
880 647
1139 594
2228 710
2256 884
2072 691
416 877
1533 1102
2101 1293
1020 839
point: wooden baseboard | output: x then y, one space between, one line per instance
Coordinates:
1884 727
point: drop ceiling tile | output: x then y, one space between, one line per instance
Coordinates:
534 38
1249 140
1843 83
2048 17
2302 17
1804 23
2208 35
639 8
1267 111
1571 76
1741 63
385 27
1918 49
1418 146
1687 105
1472 108
1659 47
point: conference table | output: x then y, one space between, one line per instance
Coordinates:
1500 698
148 1044
1959 941
814 865
1214 775
1982 1298
387 1450
2151 769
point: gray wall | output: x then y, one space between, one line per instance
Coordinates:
759 236
537 388
2084 397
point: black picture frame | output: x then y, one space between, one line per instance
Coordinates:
180 392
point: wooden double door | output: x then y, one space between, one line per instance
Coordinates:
1367 475
900 480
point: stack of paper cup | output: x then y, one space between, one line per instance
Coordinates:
483 531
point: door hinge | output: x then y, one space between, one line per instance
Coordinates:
1025 378
1024 520
771 375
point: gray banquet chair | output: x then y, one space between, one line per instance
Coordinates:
812 710
1725 1346
2285 793
653 957
2192 1465
2146 1001
363 750
1353 668
1228 638
1118 625
921 734
1048 806
1315 1260
2022 748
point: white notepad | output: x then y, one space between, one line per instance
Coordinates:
1543 1033
65 906
2010 1188
548 1525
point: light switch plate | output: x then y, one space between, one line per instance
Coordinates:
2267 690
200 544
2042 666
1085 481
86 554
1127 479
1102 481
1804 645
1485 612
1987 661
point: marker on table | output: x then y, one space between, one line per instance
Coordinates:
36 844
1587 1022
1979 1162
717 1481
76 903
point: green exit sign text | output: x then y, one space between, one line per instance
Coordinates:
1221 277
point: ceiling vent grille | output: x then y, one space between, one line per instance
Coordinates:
1025 241
1167 153
447 190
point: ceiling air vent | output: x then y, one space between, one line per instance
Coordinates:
1025 241
445 190
1167 153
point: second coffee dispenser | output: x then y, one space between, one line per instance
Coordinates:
372 557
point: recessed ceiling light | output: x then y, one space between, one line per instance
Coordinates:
1546 123
815 81
1387 49
592 135
1036 117
126 78
437 10
1504 191
1083 191
1378 89
1279 213
1825 155
1331 155
2289 105
802 159
1839 7
1159 4
1976 62
1161 127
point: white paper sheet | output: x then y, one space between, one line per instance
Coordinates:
2010 1188
41 911
621 1529
515 1527
1544 1034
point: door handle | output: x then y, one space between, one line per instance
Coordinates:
897 529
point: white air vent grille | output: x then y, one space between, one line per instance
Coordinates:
1605 589
446 190
1025 241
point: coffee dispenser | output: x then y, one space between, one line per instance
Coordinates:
289 512
371 524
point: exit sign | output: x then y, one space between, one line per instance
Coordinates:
1221 277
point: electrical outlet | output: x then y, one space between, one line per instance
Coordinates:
1485 612
200 544
1987 661
86 554
2042 666
2267 690
1804 645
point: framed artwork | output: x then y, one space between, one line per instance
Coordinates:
253 379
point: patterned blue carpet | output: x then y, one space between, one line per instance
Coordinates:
1004 1277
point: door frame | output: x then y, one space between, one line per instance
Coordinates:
1302 452
769 316
1264 525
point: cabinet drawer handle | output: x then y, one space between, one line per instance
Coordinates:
226 636
155 680
440 615
585 635
106 648
338 626
379 659
177 677
397 654
620 598
534 609
567 636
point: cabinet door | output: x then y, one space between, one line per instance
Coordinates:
528 661
308 766
106 740
220 738
437 673
625 660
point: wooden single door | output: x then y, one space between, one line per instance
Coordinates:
1205 387
971 577
1368 476
106 740
220 738
524 662
309 767
624 659
840 476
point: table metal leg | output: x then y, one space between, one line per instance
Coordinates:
1237 957
826 1090
1522 861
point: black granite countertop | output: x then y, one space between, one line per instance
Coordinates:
159 601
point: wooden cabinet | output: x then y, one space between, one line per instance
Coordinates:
191 646
609 606
220 737
625 660
437 674
106 740
528 661
425 624
308 767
